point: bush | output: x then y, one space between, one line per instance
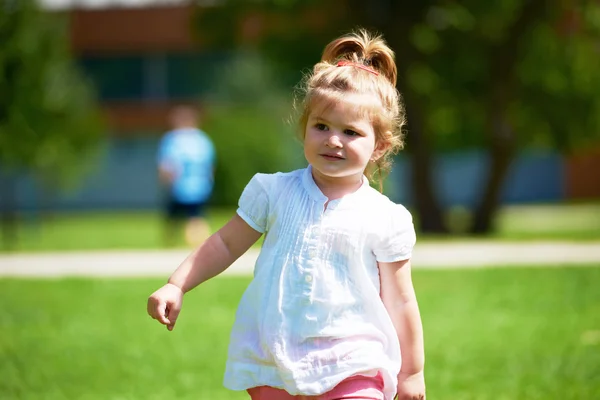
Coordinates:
248 116
249 140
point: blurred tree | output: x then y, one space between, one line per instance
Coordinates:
48 116
494 75
505 76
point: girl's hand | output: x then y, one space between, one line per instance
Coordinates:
411 386
164 305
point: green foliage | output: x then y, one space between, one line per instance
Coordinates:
452 55
560 78
48 116
250 121
291 33
502 76
551 76
248 140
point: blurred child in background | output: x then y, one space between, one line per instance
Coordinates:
186 159
331 312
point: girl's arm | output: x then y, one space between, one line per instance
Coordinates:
215 255
398 296
208 260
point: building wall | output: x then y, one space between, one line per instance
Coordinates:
582 175
132 30
142 61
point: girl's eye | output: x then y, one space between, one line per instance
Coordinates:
321 127
350 132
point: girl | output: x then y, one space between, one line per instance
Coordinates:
331 308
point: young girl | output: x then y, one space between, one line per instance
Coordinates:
331 308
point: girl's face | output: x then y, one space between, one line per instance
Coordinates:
339 140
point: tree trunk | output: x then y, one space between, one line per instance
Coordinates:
428 209
502 152
8 210
400 19
502 138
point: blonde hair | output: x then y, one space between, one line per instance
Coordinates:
359 63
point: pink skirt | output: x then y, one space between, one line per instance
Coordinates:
357 387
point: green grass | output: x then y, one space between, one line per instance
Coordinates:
512 333
567 221
564 221
143 230
102 230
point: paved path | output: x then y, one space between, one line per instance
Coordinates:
161 263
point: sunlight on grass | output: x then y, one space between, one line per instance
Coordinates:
103 230
143 230
510 333
570 220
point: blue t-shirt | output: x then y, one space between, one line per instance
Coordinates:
190 155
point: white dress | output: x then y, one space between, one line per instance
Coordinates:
312 316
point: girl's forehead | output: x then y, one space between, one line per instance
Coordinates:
351 106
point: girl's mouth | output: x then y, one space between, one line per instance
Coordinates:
332 157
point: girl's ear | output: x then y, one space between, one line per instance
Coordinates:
380 149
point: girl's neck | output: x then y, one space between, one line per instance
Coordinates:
336 188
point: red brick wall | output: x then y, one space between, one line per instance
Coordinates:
127 30
582 178
131 117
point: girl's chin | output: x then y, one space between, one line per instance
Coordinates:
336 173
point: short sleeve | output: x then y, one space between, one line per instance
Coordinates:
397 238
253 206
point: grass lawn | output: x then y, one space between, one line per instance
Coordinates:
564 221
530 333
102 230
142 230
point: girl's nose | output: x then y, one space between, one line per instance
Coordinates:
333 140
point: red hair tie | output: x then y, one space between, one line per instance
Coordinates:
344 63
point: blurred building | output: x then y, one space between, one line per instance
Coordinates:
143 59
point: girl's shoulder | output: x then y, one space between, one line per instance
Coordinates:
275 181
269 179
393 226
380 200
384 209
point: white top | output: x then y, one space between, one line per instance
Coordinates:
312 316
